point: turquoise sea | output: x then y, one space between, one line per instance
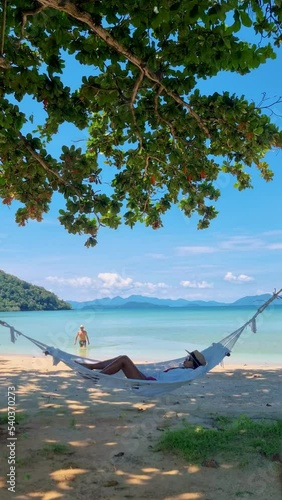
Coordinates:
148 334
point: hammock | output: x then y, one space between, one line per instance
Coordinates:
165 381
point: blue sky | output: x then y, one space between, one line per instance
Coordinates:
240 254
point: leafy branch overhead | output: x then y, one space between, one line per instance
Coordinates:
153 139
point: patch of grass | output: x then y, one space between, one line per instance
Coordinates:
22 462
4 418
231 438
243 494
52 449
25 435
73 423
223 421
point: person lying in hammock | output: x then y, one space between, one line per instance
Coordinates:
130 370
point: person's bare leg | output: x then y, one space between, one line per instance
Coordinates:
114 365
125 364
99 365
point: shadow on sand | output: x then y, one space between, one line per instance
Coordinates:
78 442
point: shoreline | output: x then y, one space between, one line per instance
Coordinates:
227 366
90 442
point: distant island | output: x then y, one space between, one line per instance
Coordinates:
141 302
18 295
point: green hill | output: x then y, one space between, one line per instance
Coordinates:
18 295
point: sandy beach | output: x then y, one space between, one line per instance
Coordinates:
106 440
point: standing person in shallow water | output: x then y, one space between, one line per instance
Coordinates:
82 337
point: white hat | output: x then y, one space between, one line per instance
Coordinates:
81 326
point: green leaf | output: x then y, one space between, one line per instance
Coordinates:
246 20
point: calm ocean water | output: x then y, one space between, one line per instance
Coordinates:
148 334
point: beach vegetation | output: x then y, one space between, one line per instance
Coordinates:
18 295
19 417
73 423
238 439
128 76
51 449
27 460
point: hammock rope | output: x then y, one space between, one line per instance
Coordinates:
232 338
165 382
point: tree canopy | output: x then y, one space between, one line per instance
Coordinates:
154 140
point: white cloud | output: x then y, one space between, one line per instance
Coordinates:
194 284
194 250
83 281
274 232
114 280
108 283
242 243
156 256
150 287
275 246
240 278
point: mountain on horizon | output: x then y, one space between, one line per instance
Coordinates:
141 301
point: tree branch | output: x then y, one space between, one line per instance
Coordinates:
3 27
133 97
172 130
43 163
27 13
3 63
72 10
269 106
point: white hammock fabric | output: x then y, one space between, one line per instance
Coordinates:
165 381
